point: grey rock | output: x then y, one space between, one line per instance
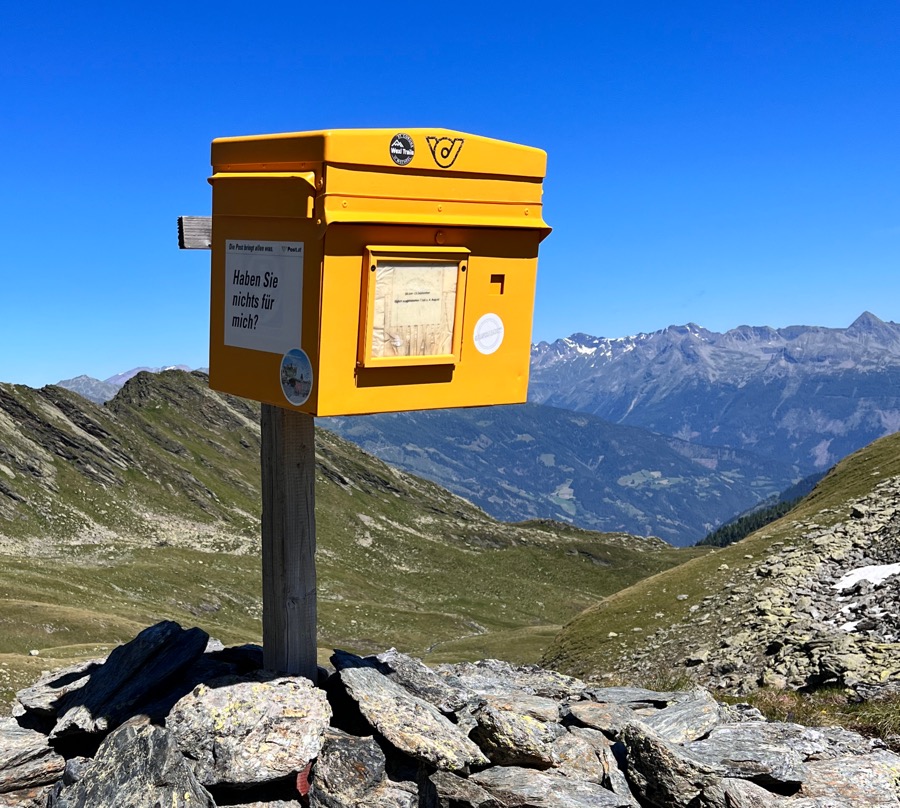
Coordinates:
206 668
576 757
752 751
412 725
348 770
686 720
43 697
730 793
538 707
26 758
133 673
613 777
26 798
526 788
864 780
735 713
250 730
632 696
607 718
411 674
496 676
421 681
138 765
74 771
661 774
510 739
451 791
810 743
390 797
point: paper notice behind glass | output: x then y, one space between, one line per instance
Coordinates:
415 305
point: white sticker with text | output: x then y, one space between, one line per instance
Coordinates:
263 294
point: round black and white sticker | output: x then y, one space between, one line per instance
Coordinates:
488 333
402 149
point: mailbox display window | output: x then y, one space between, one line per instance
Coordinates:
413 308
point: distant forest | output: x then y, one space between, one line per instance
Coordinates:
744 525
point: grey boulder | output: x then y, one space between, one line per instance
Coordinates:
241 731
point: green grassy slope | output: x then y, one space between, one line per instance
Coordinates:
148 508
601 641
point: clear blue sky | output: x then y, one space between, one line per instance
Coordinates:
716 162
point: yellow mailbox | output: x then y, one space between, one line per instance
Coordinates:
361 271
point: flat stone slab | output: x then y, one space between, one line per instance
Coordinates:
632 696
526 788
608 718
870 780
132 674
26 758
421 681
496 676
765 752
411 674
25 798
412 725
686 720
44 695
458 791
245 730
538 707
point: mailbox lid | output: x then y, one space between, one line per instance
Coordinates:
431 150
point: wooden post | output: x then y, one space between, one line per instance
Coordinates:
288 455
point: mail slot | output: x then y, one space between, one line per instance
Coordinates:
363 271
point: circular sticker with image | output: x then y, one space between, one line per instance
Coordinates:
488 334
402 149
296 376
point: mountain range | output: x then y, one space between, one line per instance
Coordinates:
805 396
98 391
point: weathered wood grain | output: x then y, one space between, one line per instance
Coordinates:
288 456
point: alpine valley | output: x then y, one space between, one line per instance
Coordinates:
667 434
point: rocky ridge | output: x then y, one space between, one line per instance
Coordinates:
820 609
174 719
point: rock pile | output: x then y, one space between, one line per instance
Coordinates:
171 719
809 613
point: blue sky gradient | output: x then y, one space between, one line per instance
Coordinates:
715 162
